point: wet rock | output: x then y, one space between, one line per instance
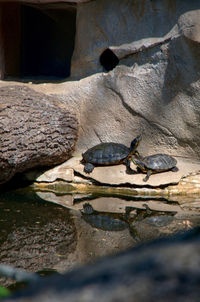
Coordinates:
35 131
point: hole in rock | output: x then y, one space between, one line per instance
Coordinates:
108 59
37 40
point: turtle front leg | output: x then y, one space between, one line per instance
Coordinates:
128 166
148 175
88 168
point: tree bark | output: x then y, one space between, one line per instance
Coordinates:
35 130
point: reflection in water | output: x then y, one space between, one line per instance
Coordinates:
120 221
102 220
159 221
36 234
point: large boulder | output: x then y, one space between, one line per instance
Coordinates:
154 90
35 131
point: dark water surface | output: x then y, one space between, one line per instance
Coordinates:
38 235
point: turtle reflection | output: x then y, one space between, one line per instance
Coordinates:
104 220
109 221
159 220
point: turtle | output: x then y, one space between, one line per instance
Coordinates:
155 163
103 220
107 154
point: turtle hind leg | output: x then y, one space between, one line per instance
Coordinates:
88 168
148 175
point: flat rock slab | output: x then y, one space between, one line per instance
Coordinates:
116 175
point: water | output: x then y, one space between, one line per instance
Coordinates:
42 231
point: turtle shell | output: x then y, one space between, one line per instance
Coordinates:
106 154
103 220
159 162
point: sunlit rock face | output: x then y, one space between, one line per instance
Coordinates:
135 70
154 89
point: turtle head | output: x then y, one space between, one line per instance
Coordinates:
135 143
88 209
139 163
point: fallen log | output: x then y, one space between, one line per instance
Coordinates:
35 130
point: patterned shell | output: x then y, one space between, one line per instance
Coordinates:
106 153
159 162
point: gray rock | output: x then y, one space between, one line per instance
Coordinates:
114 23
155 89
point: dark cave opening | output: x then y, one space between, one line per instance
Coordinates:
108 59
38 40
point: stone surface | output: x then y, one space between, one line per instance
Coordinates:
185 193
154 91
116 23
116 175
59 172
35 131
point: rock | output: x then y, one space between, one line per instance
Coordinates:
154 91
189 25
185 193
57 173
163 270
116 175
116 23
35 131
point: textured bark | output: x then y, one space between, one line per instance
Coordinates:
34 131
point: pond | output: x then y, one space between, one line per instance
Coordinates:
42 231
